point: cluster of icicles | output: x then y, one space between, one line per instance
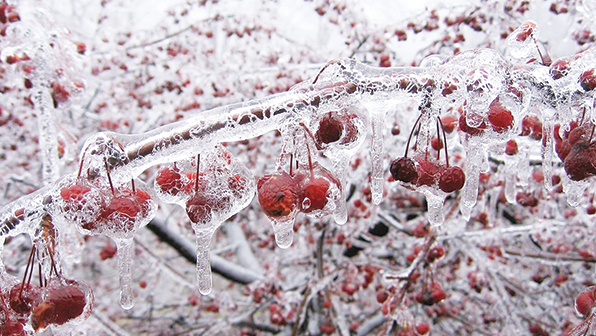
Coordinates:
492 98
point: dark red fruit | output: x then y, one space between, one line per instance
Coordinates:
316 190
23 301
330 128
499 117
463 125
59 94
577 163
435 253
452 179
588 80
74 196
511 147
278 194
428 173
585 302
198 208
124 209
537 330
169 180
559 69
525 30
422 328
62 304
403 169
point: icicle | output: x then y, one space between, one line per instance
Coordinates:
574 190
376 153
71 244
510 179
547 155
284 232
204 280
340 215
524 170
125 259
435 200
470 189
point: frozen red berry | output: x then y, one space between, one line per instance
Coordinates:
278 194
315 192
62 304
452 178
587 80
499 117
169 181
584 302
330 128
403 169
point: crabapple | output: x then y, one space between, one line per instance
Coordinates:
499 117
452 179
62 304
330 129
587 80
279 195
403 169
169 181
584 302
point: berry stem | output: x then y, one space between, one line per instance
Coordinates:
438 141
197 177
444 142
412 133
291 163
105 162
81 165
29 261
134 190
40 276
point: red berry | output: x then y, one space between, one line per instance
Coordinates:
511 147
382 296
525 30
584 302
23 301
403 169
330 128
422 328
452 179
559 69
588 80
499 117
349 287
59 94
198 208
169 181
428 172
74 194
435 253
108 251
463 125
537 330
526 199
316 192
278 194
578 164
449 123
62 304
327 328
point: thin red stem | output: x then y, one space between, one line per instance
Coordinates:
197 178
134 190
291 163
438 142
29 260
444 142
411 134
105 162
81 165
40 276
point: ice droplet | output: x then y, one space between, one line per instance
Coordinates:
204 278
125 259
340 215
306 203
284 232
